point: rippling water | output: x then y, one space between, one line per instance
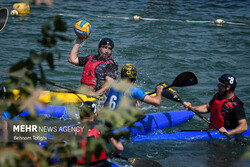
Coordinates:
162 46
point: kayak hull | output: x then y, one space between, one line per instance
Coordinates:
148 124
64 97
59 95
153 121
188 135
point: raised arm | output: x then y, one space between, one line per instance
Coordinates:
73 57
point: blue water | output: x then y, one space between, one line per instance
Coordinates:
160 49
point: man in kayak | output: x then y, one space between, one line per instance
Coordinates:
87 114
97 68
129 73
227 110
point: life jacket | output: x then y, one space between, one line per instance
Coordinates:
88 75
93 132
216 116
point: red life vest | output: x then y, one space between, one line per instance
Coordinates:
88 75
93 132
216 117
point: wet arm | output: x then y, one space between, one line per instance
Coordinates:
243 127
201 109
73 57
104 89
118 145
154 100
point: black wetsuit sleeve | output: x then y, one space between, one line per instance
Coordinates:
111 70
83 60
239 112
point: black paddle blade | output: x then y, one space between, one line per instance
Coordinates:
187 78
3 17
167 92
143 162
171 94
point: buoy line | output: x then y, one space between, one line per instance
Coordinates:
136 17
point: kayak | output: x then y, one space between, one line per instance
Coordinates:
59 95
60 112
64 97
188 135
148 124
153 121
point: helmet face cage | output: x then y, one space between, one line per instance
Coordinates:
129 71
106 41
228 79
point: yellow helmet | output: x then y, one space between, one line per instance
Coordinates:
129 72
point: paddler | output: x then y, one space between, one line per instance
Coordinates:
226 109
129 75
87 114
98 68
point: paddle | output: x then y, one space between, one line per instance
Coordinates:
187 78
174 95
60 86
140 162
64 87
3 17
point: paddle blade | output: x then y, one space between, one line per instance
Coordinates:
3 17
168 92
187 78
171 94
143 162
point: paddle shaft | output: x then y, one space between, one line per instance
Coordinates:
210 123
163 89
60 86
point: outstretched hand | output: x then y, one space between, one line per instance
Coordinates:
159 89
187 105
80 40
223 131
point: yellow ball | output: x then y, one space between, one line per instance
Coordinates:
21 8
82 29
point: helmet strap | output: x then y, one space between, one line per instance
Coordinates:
226 91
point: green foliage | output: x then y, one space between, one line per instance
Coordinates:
246 155
23 78
24 68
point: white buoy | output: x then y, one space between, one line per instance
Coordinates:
219 21
136 17
14 12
